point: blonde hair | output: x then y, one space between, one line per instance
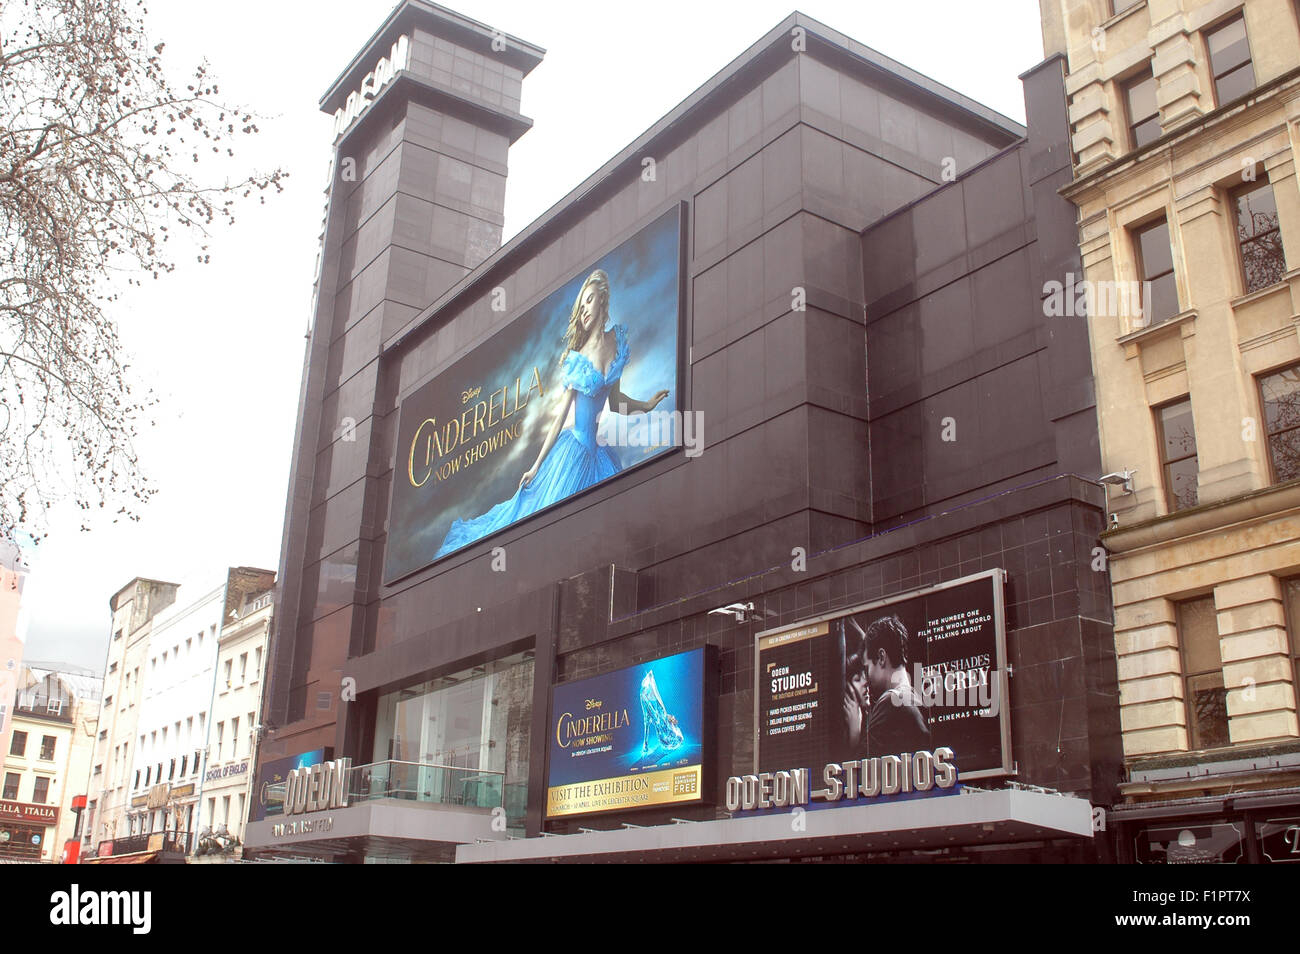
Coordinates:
574 336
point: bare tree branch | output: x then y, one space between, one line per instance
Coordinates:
98 152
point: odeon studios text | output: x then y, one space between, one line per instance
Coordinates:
855 778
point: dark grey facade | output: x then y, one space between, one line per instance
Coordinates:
917 227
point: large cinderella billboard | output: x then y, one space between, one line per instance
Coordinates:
634 738
539 412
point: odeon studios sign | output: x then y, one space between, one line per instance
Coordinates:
855 778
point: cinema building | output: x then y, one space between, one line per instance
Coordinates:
744 506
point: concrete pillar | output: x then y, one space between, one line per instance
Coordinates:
1280 169
1257 668
1150 678
1174 65
1117 373
1220 385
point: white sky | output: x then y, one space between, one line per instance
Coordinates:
227 372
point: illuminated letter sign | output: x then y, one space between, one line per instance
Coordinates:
864 778
317 787
359 99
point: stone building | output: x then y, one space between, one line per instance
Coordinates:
1182 118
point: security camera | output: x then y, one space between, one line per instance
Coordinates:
1123 478
737 611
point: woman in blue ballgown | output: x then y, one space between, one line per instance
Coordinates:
570 459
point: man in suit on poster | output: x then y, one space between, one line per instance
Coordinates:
897 721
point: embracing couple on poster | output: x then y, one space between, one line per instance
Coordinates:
883 714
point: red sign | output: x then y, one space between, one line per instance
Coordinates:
22 811
105 849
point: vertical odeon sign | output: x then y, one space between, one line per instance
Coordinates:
359 99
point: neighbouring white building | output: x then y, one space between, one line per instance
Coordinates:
134 608
157 726
235 709
171 733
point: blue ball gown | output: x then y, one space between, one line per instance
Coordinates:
575 462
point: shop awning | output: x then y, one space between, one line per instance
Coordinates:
1249 800
969 818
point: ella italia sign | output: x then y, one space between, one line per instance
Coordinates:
24 811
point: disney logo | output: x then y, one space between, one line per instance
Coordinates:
467 396
594 704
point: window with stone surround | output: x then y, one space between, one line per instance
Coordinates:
1155 268
1203 690
1177 435
1279 399
1259 237
1230 64
11 786
1141 109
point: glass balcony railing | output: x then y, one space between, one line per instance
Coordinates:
427 782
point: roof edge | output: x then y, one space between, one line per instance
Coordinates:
519 53
715 86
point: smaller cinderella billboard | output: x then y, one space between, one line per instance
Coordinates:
639 737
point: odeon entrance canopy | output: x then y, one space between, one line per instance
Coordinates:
965 819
